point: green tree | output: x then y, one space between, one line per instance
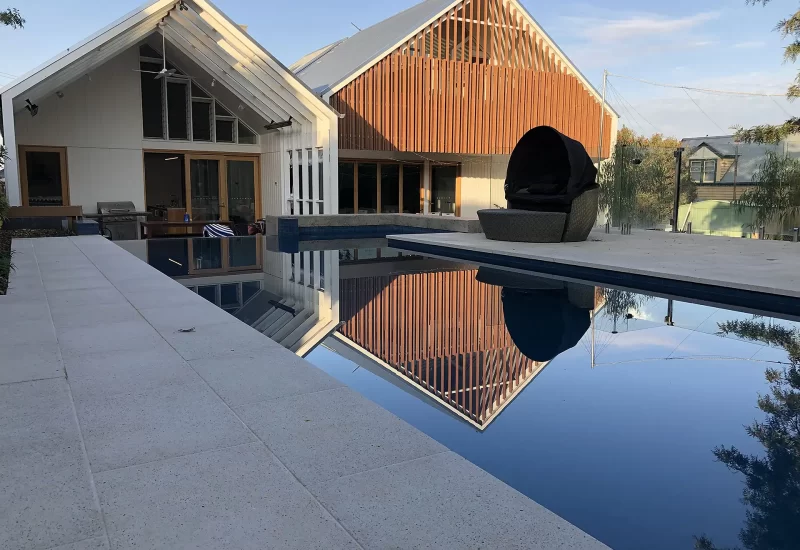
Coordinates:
10 18
772 480
775 198
637 183
768 133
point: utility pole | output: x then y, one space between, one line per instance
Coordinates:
735 169
676 204
602 118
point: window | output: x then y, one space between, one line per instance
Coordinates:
44 176
703 171
178 108
412 181
390 188
177 99
346 188
367 188
443 189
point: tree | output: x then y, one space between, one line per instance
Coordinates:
10 18
637 183
776 194
772 481
766 133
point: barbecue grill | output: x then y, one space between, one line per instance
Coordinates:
119 220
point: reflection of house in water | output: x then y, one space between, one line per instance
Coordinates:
442 331
283 296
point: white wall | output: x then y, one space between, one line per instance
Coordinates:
99 121
271 187
482 180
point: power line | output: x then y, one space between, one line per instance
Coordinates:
782 108
653 126
705 90
702 111
624 108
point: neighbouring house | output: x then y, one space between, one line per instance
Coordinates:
176 109
435 98
724 169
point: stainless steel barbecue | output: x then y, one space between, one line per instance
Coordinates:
119 220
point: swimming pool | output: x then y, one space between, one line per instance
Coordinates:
609 406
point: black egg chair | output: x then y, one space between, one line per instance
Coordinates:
551 191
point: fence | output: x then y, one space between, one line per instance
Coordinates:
749 194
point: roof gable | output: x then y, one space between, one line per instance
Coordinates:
201 28
338 65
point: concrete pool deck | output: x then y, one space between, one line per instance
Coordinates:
747 273
118 430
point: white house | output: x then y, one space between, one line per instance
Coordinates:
175 108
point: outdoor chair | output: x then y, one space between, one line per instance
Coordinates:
551 191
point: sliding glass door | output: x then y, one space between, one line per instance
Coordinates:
204 188
223 188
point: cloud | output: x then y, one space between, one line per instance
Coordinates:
636 26
750 45
605 40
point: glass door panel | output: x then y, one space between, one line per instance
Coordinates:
241 180
204 185
443 189
390 188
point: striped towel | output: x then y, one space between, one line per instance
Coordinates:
217 230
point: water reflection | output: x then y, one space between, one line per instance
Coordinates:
772 478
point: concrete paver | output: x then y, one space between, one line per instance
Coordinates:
334 433
45 488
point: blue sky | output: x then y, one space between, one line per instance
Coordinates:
722 44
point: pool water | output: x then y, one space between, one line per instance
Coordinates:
604 405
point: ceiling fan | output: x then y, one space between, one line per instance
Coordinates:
164 71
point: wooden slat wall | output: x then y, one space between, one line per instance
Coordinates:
458 107
443 331
471 83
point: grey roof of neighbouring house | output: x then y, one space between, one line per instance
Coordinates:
335 64
751 155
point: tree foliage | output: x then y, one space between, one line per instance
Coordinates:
766 133
637 183
12 18
775 197
772 479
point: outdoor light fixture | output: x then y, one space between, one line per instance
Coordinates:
213 81
241 106
172 158
182 6
33 108
60 94
277 125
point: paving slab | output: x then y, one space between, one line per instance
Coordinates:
248 378
93 315
173 297
31 331
47 498
95 543
220 340
237 498
170 319
122 336
444 501
334 433
24 362
61 299
105 375
127 429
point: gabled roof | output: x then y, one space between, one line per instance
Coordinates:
190 30
751 155
330 70
333 69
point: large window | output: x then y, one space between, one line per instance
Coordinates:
176 107
382 187
703 171
443 189
44 176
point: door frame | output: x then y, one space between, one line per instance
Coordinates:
223 176
23 170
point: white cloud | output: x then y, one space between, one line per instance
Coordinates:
636 26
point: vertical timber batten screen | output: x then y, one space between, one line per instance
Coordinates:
472 82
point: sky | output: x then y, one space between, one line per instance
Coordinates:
719 44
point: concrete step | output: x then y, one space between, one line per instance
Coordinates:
290 327
293 340
283 318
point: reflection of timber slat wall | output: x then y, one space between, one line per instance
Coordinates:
473 83
443 331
